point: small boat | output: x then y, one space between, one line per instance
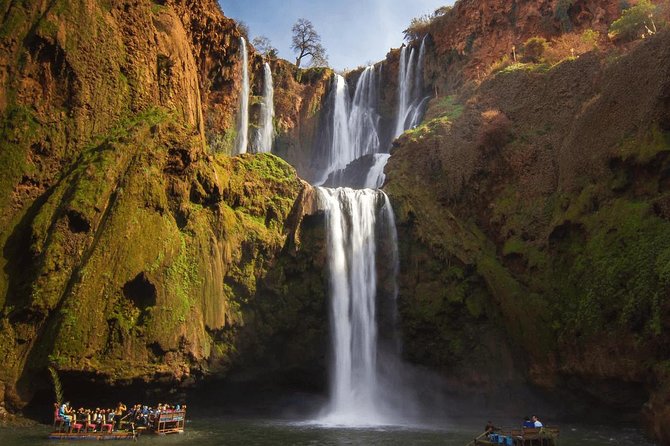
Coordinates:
544 436
119 435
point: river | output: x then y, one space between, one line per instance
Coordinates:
220 431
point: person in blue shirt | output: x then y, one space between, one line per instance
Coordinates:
63 413
527 422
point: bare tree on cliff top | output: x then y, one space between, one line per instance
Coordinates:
264 46
307 42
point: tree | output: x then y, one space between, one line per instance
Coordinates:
244 29
307 42
534 48
635 22
264 46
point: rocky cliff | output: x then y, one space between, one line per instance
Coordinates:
132 248
532 219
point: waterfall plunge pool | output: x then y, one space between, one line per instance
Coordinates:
234 431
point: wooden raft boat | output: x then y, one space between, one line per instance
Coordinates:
119 435
544 436
169 423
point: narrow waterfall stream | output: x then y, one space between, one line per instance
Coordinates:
411 97
266 132
242 140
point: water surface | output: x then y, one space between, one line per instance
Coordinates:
247 432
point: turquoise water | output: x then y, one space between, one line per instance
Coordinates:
236 431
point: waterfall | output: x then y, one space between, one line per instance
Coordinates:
367 377
359 394
376 176
266 132
243 118
411 98
341 150
363 118
354 122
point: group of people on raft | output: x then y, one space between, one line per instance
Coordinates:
100 420
528 422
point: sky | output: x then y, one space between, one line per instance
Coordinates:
354 32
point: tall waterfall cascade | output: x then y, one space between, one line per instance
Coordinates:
411 98
368 385
242 140
266 132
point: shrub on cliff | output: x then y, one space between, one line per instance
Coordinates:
572 45
534 48
635 22
495 130
421 26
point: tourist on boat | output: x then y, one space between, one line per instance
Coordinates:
64 413
527 422
118 414
536 422
490 428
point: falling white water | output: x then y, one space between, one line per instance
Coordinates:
363 118
243 118
357 396
411 98
341 152
266 131
376 176
355 123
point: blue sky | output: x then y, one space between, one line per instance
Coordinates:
354 32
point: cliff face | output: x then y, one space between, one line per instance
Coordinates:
534 231
473 35
129 250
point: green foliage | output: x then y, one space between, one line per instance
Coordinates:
534 48
634 22
615 278
444 107
58 387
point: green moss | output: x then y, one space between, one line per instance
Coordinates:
15 22
19 130
445 107
616 277
643 148
525 67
